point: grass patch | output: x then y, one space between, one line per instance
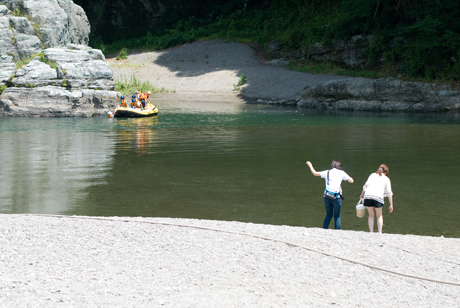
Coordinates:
2 88
242 79
41 58
126 65
128 86
19 64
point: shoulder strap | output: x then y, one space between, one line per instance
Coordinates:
327 183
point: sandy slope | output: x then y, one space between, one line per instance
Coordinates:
207 70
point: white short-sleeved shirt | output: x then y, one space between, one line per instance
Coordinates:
377 187
336 177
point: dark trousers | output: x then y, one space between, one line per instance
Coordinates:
333 208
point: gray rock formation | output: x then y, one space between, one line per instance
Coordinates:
35 74
57 22
7 68
387 94
53 101
81 67
351 53
54 33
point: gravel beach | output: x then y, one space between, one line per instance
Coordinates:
76 261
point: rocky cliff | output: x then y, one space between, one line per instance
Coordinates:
386 94
46 69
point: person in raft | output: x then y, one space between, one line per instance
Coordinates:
133 103
333 192
123 102
377 186
142 99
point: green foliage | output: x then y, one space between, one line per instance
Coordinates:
17 12
242 79
2 88
37 29
19 64
41 57
417 38
123 54
128 86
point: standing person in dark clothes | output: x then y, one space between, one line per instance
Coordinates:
333 192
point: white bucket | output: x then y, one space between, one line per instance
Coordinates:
360 209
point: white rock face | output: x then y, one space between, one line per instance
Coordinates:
55 33
60 22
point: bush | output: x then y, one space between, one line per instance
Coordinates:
123 54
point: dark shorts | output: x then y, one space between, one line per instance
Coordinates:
372 203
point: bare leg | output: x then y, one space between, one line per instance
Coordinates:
378 212
370 218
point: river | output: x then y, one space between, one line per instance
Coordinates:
240 162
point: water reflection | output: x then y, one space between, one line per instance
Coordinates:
47 165
136 134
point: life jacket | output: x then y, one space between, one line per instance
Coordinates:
123 103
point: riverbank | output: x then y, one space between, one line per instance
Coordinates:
152 262
212 70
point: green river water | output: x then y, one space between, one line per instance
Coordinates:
232 162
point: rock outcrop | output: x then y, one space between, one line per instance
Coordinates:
54 101
351 53
387 94
44 60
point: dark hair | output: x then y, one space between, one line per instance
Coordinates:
336 164
382 169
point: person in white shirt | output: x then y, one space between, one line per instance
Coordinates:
333 192
377 186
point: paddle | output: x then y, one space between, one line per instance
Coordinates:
112 114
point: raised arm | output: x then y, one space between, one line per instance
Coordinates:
313 171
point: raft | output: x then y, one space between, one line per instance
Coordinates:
125 112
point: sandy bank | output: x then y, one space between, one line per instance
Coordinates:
208 70
136 262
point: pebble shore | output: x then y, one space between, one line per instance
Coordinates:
73 261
